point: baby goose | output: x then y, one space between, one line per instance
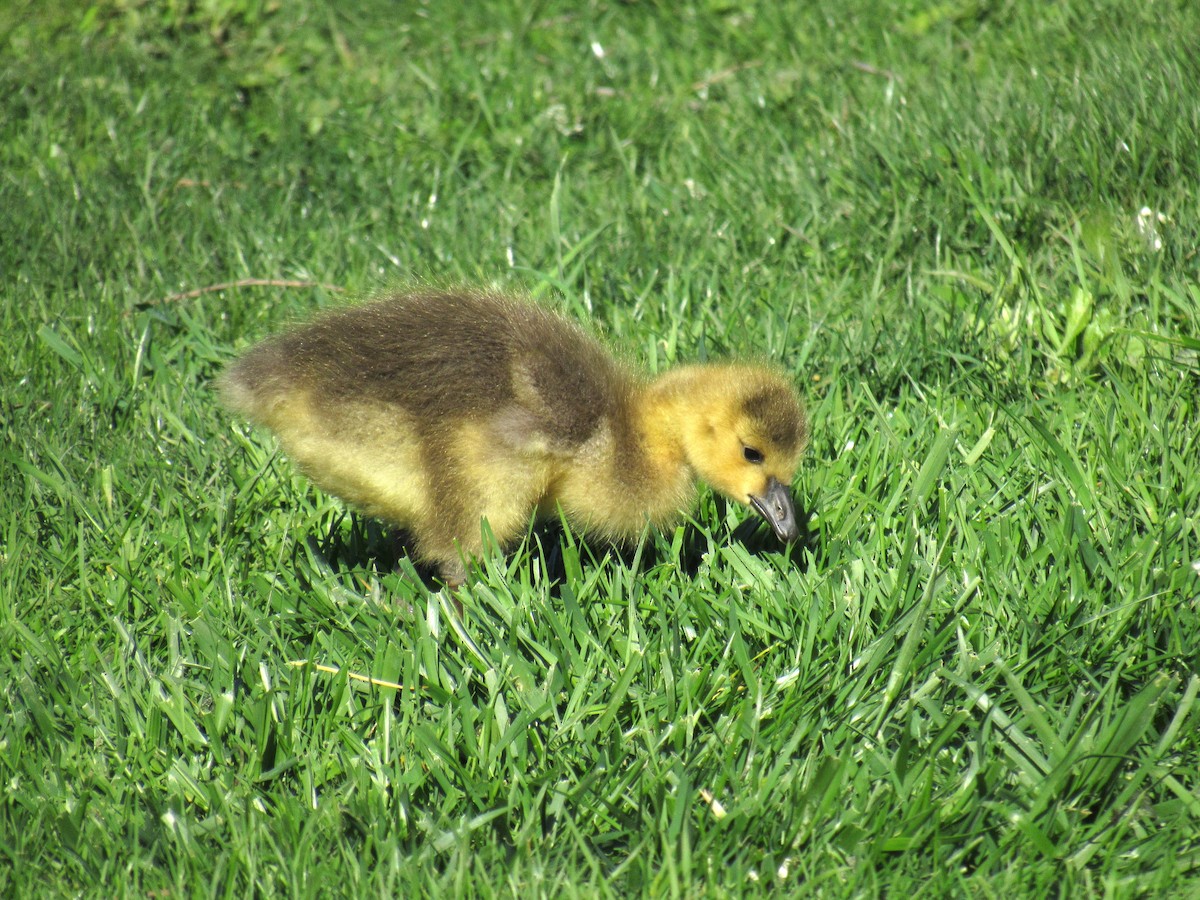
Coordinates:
436 410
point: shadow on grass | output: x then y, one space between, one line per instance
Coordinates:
367 544
756 536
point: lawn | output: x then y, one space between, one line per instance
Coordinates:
969 228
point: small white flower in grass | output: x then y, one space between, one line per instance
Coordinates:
784 869
1147 226
752 875
170 819
597 50
849 446
1196 566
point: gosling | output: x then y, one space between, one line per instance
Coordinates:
438 410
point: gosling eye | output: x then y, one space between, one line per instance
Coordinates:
752 455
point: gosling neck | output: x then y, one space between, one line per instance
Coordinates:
669 406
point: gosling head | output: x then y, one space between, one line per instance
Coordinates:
747 438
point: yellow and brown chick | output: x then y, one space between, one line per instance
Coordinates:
436 410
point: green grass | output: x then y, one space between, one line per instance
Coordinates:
979 677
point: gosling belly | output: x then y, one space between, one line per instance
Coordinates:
371 458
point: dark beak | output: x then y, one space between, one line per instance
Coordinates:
777 508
